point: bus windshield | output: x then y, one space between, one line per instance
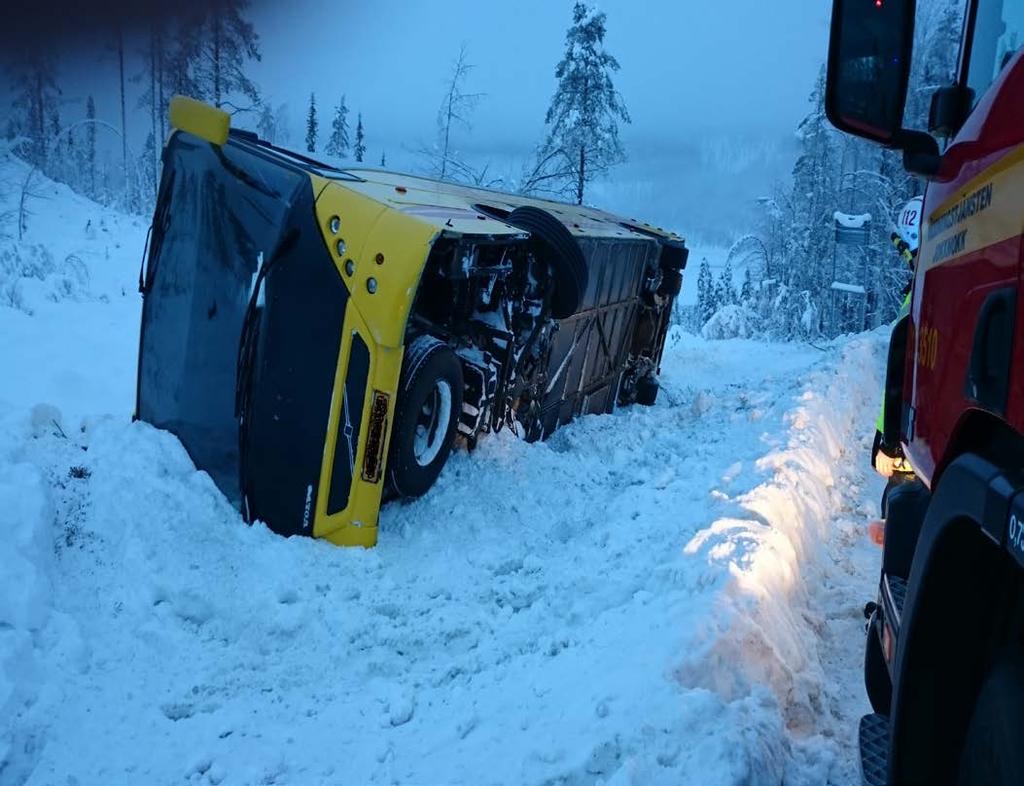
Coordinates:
998 34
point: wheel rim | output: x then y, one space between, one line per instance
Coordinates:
432 423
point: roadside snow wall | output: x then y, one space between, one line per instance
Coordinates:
766 624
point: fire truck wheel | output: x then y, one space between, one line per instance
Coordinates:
876 674
561 252
992 753
426 416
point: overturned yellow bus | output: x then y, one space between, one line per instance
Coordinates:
318 339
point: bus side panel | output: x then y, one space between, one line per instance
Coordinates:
591 348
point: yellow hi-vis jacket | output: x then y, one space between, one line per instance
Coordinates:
904 312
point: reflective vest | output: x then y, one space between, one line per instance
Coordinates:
904 313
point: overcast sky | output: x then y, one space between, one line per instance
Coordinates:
738 66
715 89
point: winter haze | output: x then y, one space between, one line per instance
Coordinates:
713 111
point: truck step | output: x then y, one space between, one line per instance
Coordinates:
898 588
874 749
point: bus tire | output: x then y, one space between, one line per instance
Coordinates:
557 248
426 416
647 391
671 283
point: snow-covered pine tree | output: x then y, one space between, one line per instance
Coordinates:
312 125
726 285
383 160
128 200
171 59
151 99
148 171
35 94
227 42
814 200
717 294
707 303
90 147
58 166
273 124
266 125
360 147
338 144
282 125
586 109
936 48
747 289
179 64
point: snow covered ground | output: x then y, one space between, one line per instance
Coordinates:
664 595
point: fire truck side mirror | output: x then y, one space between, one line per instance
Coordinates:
949 110
869 67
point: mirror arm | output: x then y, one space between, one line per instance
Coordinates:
921 155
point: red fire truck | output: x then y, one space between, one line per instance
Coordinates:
944 664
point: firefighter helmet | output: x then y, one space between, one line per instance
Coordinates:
908 223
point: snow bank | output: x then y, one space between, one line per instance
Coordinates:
631 602
69 306
732 321
560 612
766 626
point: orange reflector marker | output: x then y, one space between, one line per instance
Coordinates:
373 458
876 531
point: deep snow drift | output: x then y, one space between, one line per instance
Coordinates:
662 595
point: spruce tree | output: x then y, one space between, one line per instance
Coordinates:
935 56
266 126
90 147
151 99
726 285
586 109
227 42
706 295
814 197
360 148
35 99
747 289
172 67
338 144
147 170
311 125
383 160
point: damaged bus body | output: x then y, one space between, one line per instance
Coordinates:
318 339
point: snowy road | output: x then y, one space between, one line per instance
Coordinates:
663 595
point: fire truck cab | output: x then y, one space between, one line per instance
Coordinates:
944 662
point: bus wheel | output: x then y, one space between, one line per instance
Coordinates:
560 251
877 681
646 391
671 283
426 416
992 754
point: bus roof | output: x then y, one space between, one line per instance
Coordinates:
455 207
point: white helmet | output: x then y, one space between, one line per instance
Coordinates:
908 223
